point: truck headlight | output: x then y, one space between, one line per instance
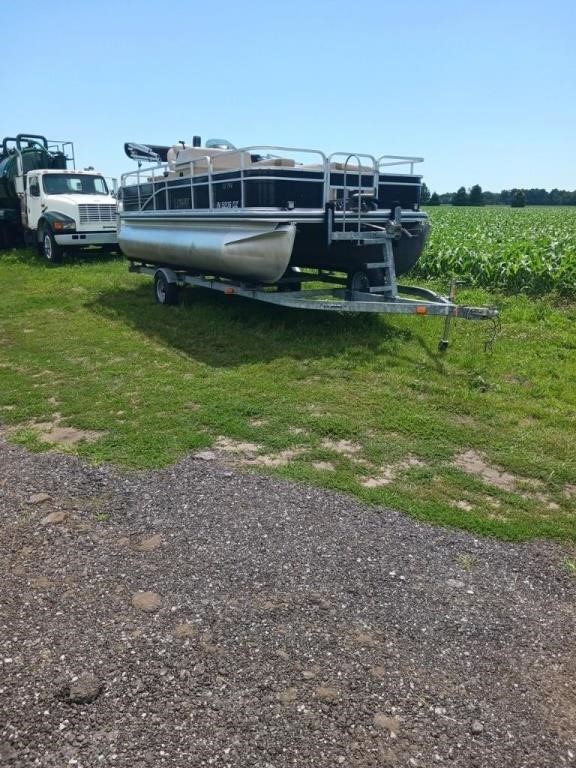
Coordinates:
64 226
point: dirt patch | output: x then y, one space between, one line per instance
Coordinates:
465 506
324 466
68 435
344 447
258 422
228 445
248 454
389 473
316 410
275 459
298 431
473 463
569 491
55 433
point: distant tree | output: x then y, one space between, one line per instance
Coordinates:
446 198
555 197
476 197
424 194
491 198
460 198
517 198
505 197
434 199
537 197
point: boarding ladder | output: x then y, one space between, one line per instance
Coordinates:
354 202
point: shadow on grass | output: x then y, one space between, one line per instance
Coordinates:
223 331
31 258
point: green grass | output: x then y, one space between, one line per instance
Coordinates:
85 340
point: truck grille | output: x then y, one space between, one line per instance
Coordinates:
97 213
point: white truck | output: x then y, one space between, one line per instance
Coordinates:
46 203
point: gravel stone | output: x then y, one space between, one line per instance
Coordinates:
150 543
54 518
39 498
262 581
287 696
149 602
85 689
325 693
476 727
205 456
385 722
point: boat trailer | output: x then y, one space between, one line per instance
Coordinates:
354 294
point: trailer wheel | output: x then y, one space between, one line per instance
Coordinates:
358 281
164 291
50 248
363 279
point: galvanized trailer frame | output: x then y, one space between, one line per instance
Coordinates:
389 298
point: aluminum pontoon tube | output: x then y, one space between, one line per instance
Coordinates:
253 250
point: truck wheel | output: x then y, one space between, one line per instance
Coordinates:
165 292
50 248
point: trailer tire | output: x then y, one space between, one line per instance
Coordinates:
358 281
51 251
362 280
165 292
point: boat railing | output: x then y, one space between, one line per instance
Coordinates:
269 148
386 161
360 191
161 175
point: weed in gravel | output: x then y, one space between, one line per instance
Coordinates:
465 561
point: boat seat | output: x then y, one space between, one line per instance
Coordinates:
272 162
221 160
337 167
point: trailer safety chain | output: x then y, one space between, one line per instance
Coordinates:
496 327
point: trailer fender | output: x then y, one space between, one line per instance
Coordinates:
166 288
168 274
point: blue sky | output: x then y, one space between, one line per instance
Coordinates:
485 92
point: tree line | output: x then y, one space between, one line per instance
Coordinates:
517 198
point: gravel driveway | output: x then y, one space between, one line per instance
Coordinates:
197 616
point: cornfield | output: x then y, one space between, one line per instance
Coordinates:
528 250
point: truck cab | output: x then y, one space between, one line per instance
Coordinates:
55 206
69 209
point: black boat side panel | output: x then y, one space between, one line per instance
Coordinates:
267 188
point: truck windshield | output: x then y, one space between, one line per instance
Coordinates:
70 184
